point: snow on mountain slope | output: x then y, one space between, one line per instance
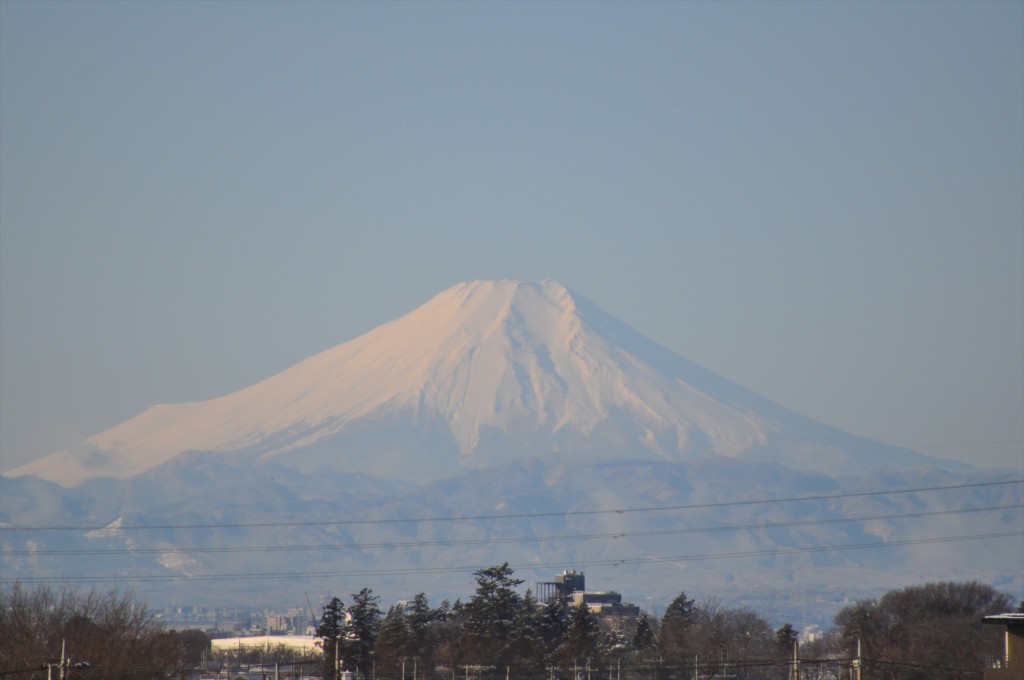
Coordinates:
483 373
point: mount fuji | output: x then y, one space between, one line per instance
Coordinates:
502 421
483 374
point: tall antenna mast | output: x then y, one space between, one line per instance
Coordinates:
312 616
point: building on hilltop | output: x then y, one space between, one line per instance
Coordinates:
569 588
562 588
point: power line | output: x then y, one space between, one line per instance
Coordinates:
518 539
849 546
466 518
648 559
648 666
907 664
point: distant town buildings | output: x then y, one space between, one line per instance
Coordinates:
237 622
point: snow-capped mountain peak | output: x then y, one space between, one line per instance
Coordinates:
483 373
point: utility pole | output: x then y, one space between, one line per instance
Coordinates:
796 660
63 664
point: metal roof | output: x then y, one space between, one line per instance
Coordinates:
1009 618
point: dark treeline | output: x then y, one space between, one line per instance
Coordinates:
931 632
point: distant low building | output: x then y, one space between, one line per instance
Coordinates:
607 603
1011 666
266 642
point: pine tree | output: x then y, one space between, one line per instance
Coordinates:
785 636
643 636
615 643
448 635
329 634
553 624
421 619
528 637
675 626
582 637
364 618
394 640
491 616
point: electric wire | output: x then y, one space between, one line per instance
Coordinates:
642 669
614 562
524 515
516 539
927 667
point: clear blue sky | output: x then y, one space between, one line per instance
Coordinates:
822 201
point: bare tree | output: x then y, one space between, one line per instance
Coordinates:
725 638
111 631
933 630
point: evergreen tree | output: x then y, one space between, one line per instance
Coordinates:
784 639
675 627
554 622
582 637
364 618
421 621
394 640
491 616
615 643
643 636
449 635
528 641
329 633
196 644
